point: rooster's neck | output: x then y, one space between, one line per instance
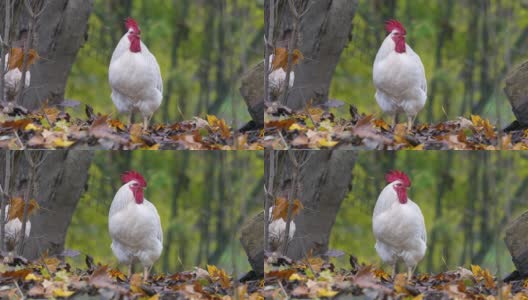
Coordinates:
135 43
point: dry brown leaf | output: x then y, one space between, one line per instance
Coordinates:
280 274
220 275
280 209
217 124
16 58
16 208
280 58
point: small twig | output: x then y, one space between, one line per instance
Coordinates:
269 198
5 191
19 290
291 196
283 290
22 147
284 141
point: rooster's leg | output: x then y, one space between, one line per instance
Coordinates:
409 273
393 270
394 120
145 273
129 119
130 270
410 121
145 122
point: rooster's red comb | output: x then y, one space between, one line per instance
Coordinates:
133 175
398 175
131 23
390 25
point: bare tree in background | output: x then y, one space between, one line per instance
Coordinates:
60 31
324 181
59 181
324 31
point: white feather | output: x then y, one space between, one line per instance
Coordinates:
399 79
135 229
277 231
399 229
135 79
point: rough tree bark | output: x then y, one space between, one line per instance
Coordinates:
323 34
516 241
252 239
516 90
324 179
60 182
61 30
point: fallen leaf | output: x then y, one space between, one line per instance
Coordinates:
220 275
16 58
280 58
280 209
64 293
16 208
328 293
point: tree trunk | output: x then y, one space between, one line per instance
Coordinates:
59 184
252 239
324 179
324 31
516 241
516 90
61 30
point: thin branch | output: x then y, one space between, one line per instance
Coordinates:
5 47
34 165
292 45
5 193
291 196
268 199
268 45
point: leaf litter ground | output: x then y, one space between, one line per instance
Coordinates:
51 128
50 277
314 277
316 128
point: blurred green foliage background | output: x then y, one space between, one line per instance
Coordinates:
202 198
467 199
467 48
202 47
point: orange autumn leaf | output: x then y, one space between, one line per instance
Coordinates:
280 124
217 124
483 274
220 275
484 124
16 58
280 274
381 124
16 124
114 123
16 208
280 58
280 209
135 134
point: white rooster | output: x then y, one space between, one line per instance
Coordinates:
277 231
398 225
12 79
135 77
278 63
134 225
399 76
13 228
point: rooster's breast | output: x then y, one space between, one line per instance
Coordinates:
399 75
399 226
133 76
